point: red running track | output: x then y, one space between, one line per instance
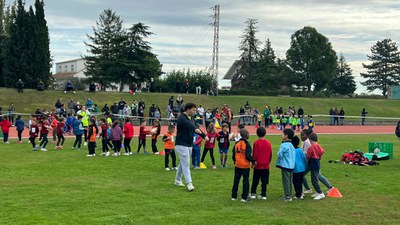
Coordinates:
252 129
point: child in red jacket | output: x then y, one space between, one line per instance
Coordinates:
128 133
262 154
142 137
5 128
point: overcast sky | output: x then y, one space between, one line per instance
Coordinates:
183 37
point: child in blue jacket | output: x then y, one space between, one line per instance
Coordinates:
286 162
299 168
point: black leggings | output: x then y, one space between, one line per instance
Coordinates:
104 143
78 140
45 140
142 142
127 145
117 146
154 145
32 140
61 139
211 155
20 135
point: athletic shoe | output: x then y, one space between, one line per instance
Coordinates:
33 149
103 153
286 198
156 153
61 147
7 142
19 142
84 144
253 196
262 197
244 200
167 169
179 183
214 167
43 149
315 195
196 168
89 155
307 191
130 153
233 199
319 196
300 198
115 154
73 148
107 154
174 168
190 187
126 153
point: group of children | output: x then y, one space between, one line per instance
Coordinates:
293 161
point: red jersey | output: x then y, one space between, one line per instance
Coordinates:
33 132
104 132
315 151
44 127
211 140
60 128
142 133
128 130
262 153
5 126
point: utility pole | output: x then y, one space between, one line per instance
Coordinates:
214 67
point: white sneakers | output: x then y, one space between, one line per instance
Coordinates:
84 144
167 169
107 154
190 187
319 196
90 155
179 183
309 191
126 153
253 196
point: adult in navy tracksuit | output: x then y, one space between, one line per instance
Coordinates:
184 143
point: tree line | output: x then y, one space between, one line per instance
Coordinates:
24 45
311 66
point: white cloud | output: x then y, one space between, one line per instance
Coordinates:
183 37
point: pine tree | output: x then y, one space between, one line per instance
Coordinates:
17 49
42 45
2 41
265 69
249 45
384 68
343 83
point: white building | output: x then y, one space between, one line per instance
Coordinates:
69 69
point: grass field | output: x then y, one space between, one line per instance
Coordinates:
30 100
66 187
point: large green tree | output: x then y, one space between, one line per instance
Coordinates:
119 55
384 68
312 58
249 56
26 47
343 82
265 69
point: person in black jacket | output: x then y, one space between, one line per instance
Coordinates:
184 143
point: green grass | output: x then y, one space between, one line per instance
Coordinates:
66 187
32 99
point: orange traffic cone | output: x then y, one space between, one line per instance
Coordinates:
334 193
162 153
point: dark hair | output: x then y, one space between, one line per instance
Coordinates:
241 126
306 132
261 131
224 125
127 120
116 123
295 141
170 127
189 105
288 132
313 137
244 133
103 120
210 127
